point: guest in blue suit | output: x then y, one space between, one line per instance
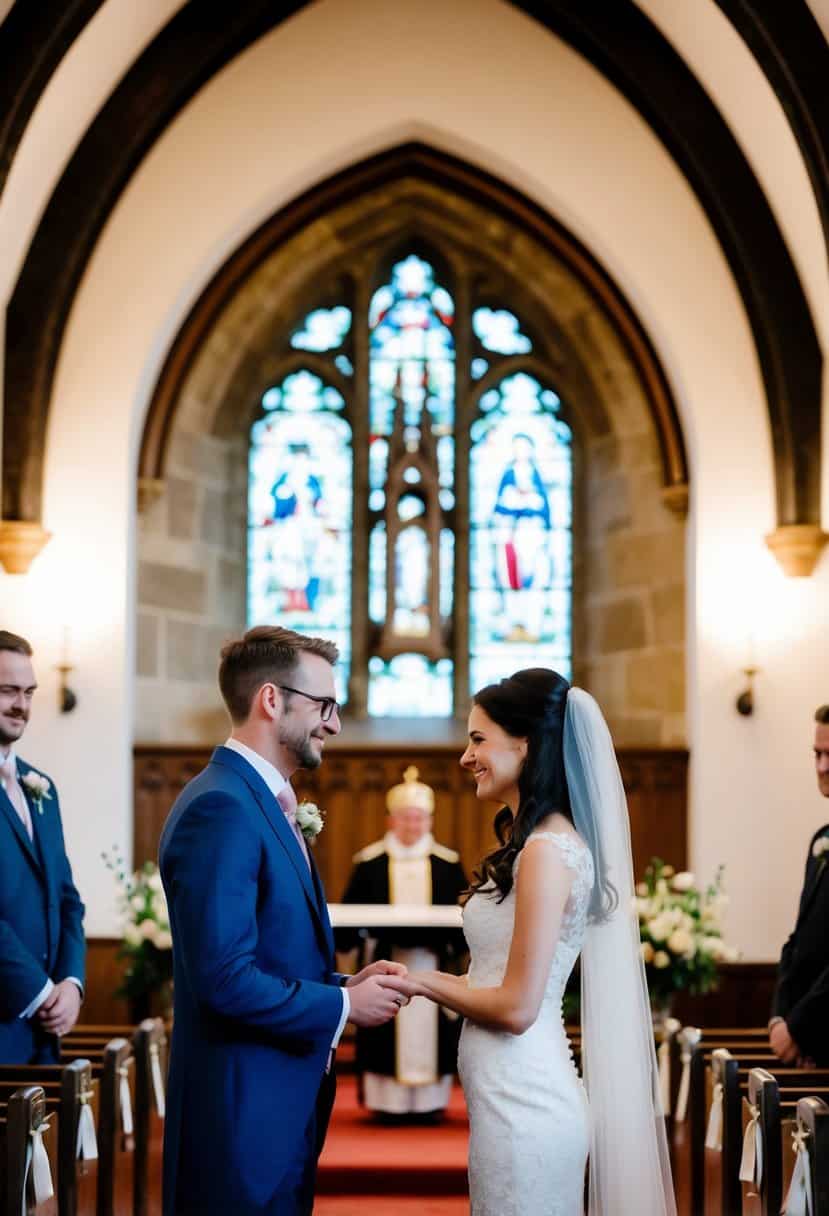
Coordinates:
42 948
258 1006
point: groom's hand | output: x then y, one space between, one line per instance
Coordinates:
373 1001
381 967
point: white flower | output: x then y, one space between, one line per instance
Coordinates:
681 942
661 960
309 819
661 886
641 888
659 928
820 846
163 940
642 907
137 903
154 882
647 952
131 935
39 788
683 881
147 930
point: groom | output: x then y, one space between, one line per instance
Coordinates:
259 1008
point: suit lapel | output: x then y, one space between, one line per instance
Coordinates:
321 903
17 827
271 810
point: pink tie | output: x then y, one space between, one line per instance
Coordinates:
287 800
8 779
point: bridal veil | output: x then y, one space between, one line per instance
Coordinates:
629 1164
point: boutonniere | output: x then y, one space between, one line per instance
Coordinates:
820 849
310 820
39 788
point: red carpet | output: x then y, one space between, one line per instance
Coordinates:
364 1158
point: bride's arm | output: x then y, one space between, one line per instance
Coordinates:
542 889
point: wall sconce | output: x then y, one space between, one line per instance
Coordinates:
745 701
67 700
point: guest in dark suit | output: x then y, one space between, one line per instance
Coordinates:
42 948
799 1029
258 1006
407 1066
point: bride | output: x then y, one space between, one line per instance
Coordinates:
559 885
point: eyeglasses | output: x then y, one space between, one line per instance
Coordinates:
327 704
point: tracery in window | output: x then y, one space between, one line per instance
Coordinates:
300 513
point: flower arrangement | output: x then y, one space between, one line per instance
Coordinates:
147 945
681 931
819 851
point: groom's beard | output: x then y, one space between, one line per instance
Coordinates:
300 743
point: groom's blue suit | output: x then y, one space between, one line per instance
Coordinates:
41 922
257 1000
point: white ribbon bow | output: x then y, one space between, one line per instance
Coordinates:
126 1102
751 1164
86 1145
158 1082
799 1199
37 1169
688 1038
713 1136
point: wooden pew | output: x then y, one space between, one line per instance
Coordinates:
27 1123
150 1047
730 1083
115 1126
75 1091
813 1124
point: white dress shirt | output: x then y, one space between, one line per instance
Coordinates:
276 783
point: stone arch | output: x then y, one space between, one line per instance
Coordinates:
629 575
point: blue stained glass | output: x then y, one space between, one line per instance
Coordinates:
411 476
479 367
344 365
323 329
410 686
447 572
520 534
409 507
499 331
300 516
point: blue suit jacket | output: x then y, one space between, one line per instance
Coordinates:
256 998
41 922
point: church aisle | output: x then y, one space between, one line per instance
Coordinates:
364 1158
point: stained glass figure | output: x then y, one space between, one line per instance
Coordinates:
323 329
411 585
520 532
499 331
299 514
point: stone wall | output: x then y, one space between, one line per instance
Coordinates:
629 569
191 588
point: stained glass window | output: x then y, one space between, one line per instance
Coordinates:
518 582
324 329
520 574
300 512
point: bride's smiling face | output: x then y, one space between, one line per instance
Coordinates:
494 758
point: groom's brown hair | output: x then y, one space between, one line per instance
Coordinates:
263 655
12 641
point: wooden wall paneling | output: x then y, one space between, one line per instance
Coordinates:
351 784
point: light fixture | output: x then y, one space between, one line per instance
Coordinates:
745 701
67 700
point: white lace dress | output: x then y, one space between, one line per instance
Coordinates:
528 1112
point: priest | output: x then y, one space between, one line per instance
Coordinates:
407 1067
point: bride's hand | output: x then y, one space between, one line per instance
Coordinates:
381 967
411 984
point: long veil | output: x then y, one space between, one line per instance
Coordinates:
629 1165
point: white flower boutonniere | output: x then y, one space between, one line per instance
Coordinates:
39 788
310 820
820 849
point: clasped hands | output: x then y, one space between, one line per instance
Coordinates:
59 1012
785 1048
379 992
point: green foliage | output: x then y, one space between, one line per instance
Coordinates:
147 945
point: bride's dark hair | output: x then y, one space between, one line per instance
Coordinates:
528 705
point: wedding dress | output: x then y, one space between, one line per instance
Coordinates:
528 1112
